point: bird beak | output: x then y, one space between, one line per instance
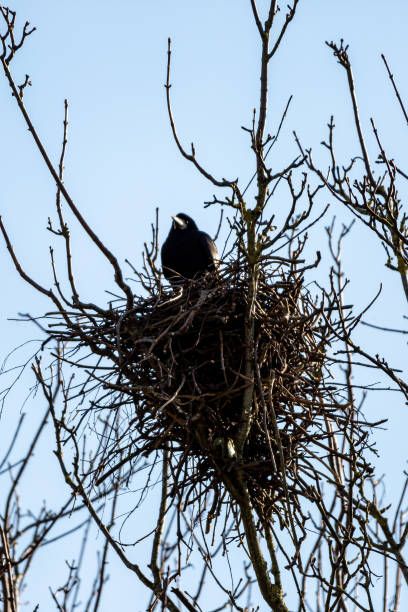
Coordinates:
177 222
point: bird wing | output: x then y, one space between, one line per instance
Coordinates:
210 249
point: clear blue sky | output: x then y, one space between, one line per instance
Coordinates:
109 61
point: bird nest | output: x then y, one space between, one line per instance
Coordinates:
182 360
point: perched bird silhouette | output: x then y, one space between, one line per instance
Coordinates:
187 252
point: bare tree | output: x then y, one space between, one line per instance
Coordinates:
372 196
372 193
24 531
247 429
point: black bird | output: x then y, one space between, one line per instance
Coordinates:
187 252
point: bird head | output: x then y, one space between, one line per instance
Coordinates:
183 222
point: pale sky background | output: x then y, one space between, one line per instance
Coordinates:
109 60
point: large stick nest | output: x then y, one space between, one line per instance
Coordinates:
179 357
176 366
187 355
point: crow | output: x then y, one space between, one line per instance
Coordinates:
187 252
